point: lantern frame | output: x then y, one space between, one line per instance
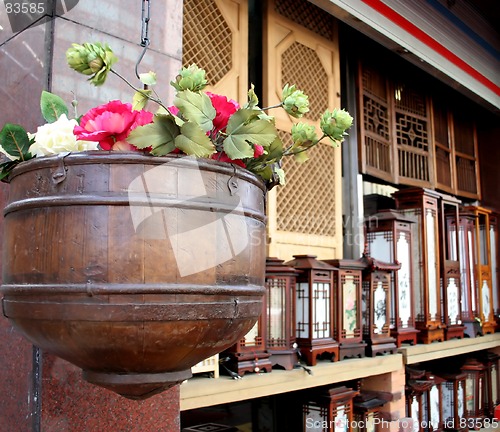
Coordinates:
423 205
347 277
314 300
366 409
332 407
449 221
483 268
389 239
475 390
377 279
453 396
281 284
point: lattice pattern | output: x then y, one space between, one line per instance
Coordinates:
306 204
410 100
307 15
377 138
207 39
466 175
443 167
374 83
302 67
413 146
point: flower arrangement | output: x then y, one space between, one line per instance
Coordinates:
199 123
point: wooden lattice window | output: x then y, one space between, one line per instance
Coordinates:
375 133
296 59
464 134
307 15
306 204
215 37
412 135
443 150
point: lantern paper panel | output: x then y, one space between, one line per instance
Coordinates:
450 267
348 295
483 268
389 239
422 204
495 267
377 279
329 410
280 292
453 398
315 309
475 389
469 291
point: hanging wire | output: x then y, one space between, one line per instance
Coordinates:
145 18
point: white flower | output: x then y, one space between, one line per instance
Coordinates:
58 137
9 156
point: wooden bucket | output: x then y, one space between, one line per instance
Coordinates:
132 267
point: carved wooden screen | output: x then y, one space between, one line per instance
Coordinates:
442 142
215 37
377 158
464 134
305 214
412 136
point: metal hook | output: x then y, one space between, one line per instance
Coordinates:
145 18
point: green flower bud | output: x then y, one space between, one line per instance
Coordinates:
295 102
334 124
190 78
91 59
304 135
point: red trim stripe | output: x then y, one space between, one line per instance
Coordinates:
412 29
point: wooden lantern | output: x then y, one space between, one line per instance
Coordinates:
491 361
417 403
449 261
329 410
389 239
315 313
249 353
475 390
495 266
280 285
483 268
367 408
453 397
467 254
377 277
423 205
348 317
435 401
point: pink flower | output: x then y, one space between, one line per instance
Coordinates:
258 150
225 108
111 124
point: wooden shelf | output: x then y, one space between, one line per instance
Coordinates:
199 392
425 352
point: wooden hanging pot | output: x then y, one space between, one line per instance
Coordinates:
133 267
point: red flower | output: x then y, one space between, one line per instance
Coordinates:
223 157
258 150
225 108
111 124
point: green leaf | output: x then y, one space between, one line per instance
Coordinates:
159 135
15 141
52 106
245 127
6 168
194 141
148 79
140 99
301 156
275 150
196 107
